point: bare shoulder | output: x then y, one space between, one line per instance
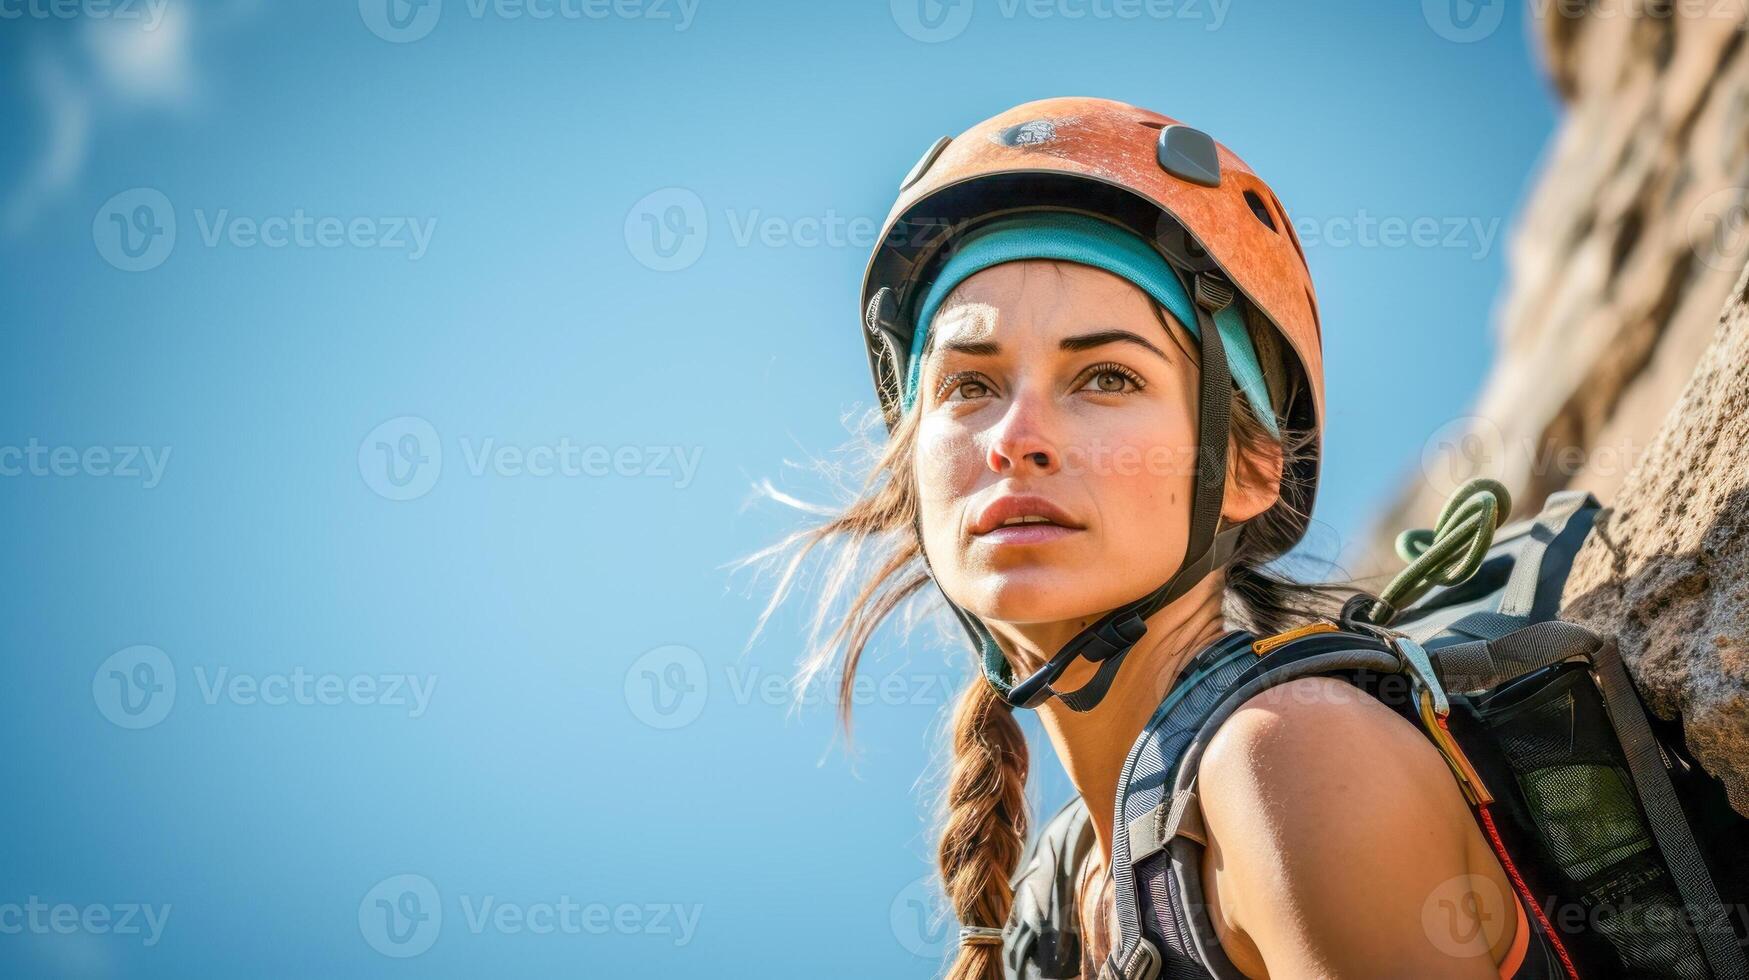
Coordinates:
1332 820
1311 731
1318 760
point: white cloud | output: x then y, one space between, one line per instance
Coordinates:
104 70
137 63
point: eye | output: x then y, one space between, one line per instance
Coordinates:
964 386
1110 379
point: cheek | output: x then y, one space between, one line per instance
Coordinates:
1136 475
949 464
948 459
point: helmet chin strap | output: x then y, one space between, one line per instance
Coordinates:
1108 641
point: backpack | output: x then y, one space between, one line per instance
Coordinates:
1623 850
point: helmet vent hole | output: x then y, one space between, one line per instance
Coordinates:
1261 210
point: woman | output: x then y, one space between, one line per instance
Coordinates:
1097 347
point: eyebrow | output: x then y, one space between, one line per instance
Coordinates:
1080 342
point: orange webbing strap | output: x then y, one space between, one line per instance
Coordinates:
1268 643
1468 779
1520 942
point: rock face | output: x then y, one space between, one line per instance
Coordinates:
1616 373
1666 568
1627 249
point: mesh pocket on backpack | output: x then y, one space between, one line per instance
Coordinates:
1556 735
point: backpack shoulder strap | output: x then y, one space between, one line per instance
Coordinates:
1042 938
1163 921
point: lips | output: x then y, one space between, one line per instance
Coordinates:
1023 517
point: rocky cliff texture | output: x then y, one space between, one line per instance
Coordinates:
1666 568
1616 372
1627 249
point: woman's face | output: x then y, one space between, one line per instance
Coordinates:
1057 444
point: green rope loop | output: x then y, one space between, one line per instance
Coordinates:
1452 549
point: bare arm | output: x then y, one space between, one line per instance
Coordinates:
1340 846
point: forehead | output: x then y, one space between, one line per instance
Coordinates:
1043 297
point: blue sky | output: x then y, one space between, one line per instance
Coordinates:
366 590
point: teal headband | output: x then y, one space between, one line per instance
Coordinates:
1088 241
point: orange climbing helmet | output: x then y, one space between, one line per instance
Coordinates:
1215 222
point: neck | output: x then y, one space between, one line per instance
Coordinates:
1092 745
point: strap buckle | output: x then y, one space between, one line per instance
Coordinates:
1420 667
1114 637
1143 963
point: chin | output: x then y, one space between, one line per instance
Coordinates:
1036 596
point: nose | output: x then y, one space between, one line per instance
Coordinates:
1019 445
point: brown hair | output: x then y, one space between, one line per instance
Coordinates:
876 547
